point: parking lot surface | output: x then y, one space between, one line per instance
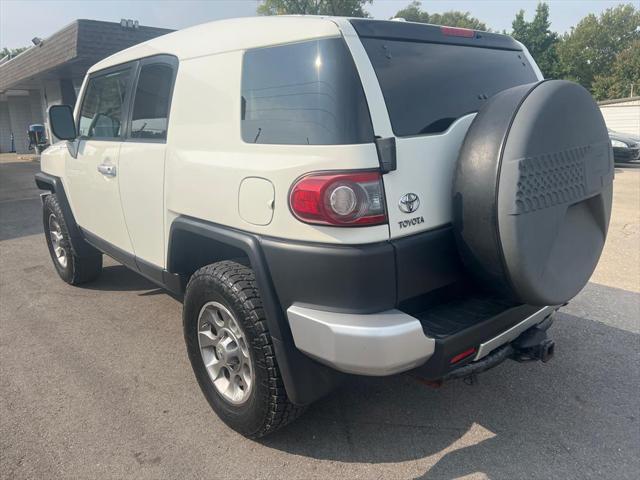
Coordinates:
95 383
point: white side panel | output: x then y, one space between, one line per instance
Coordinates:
52 160
425 164
425 167
141 180
95 197
256 200
207 159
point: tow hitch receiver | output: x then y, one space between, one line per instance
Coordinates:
533 345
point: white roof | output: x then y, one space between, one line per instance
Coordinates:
227 35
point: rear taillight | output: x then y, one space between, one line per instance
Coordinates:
457 32
341 199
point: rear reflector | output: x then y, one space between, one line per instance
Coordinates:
461 356
457 32
341 199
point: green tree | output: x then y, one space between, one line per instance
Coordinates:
12 52
342 8
624 78
414 13
591 47
539 39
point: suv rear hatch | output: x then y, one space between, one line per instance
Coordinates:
434 79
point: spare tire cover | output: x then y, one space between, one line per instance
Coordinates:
532 192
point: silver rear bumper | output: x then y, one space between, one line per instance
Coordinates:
381 343
376 344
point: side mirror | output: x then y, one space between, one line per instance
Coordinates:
61 122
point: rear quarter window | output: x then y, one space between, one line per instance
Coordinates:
427 86
306 93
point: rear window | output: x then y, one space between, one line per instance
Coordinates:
306 93
427 86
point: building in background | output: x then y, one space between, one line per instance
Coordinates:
51 72
622 115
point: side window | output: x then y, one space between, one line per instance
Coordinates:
151 103
101 115
306 93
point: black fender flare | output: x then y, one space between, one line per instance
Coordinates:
53 184
305 380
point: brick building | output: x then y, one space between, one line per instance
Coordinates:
52 72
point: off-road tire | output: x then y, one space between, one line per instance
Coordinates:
78 269
233 285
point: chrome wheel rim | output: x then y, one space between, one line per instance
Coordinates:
225 353
55 233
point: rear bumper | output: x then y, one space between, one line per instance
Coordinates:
372 344
392 341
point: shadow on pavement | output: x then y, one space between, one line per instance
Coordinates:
576 417
118 278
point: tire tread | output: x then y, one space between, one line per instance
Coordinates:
83 268
240 281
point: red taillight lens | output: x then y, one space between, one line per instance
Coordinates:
342 199
462 355
457 32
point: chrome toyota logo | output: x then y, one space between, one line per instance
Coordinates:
409 203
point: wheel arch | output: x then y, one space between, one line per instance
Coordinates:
53 185
305 379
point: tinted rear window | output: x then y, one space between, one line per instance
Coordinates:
427 86
303 93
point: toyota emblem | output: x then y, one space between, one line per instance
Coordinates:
409 202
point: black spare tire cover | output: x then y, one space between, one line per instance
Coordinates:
532 192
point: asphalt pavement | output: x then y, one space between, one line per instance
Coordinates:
95 383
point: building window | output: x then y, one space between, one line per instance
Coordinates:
101 113
151 104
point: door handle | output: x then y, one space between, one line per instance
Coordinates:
108 170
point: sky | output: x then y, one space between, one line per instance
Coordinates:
21 20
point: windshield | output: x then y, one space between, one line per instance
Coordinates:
427 86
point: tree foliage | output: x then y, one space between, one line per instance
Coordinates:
589 50
11 52
624 77
414 13
341 8
602 52
539 39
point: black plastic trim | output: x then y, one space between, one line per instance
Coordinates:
426 261
174 283
339 278
44 181
438 366
305 379
420 32
386 148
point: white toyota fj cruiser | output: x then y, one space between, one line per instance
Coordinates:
333 197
